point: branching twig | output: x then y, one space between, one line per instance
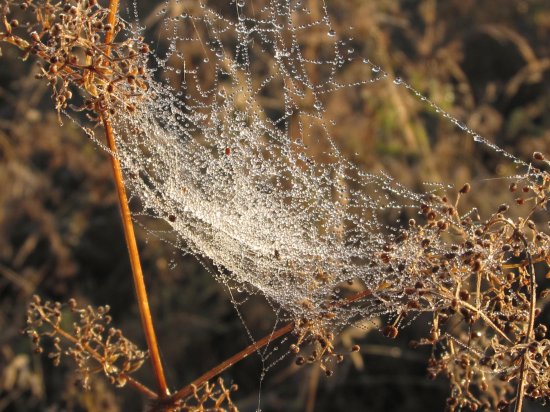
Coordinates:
530 327
185 391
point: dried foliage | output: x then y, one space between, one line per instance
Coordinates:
94 345
478 279
98 348
483 296
69 38
209 397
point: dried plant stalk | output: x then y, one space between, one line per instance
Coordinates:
129 235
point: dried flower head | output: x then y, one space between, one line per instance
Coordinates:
69 39
94 345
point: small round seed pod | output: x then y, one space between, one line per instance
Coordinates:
465 189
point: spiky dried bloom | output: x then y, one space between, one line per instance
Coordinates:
69 38
478 280
208 397
94 345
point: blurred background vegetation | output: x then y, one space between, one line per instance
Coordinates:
487 63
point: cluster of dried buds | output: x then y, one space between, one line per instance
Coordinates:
478 280
93 345
208 397
72 38
315 344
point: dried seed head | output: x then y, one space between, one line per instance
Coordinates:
464 295
538 156
465 189
442 225
503 208
540 331
390 331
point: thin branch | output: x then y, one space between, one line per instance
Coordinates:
187 390
482 315
137 273
140 387
216 370
532 306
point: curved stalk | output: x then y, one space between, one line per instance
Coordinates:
530 327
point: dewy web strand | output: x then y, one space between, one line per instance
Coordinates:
221 156
218 152
235 185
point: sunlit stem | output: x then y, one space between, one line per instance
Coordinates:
137 273
254 347
188 390
530 327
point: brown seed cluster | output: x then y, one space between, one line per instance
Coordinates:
69 39
477 279
318 342
214 397
92 344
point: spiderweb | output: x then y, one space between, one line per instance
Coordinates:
230 152
235 180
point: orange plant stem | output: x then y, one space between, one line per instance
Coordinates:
216 370
111 19
137 273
